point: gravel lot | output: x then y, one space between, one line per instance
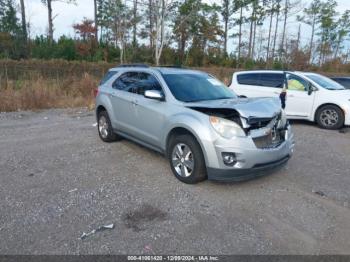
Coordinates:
58 180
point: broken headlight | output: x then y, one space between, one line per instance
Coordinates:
226 128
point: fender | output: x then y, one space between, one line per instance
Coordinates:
106 103
197 126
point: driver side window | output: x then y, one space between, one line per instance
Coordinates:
296 83
147 82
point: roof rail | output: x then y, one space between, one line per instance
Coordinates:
173 66
133 65
270 70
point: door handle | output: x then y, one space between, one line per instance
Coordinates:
276 93
135 102
114 94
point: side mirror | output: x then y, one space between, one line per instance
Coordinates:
154 94
311 89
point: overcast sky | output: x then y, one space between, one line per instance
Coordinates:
67 15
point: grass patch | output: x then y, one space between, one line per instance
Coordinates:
40 93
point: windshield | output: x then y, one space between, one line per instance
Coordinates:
325 82
195 87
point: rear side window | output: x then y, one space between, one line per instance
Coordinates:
248 79
272 80
107 76
127 82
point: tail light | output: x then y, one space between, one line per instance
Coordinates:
96 92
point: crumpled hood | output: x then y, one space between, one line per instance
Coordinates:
262 107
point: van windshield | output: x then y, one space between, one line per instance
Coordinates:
325 82
194 87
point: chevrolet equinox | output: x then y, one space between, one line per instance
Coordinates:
204 128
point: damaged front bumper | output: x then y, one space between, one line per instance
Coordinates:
236 175
250 160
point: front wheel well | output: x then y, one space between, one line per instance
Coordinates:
179 131
327 104
99 109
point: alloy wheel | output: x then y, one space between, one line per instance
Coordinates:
103 127
182 160
329 117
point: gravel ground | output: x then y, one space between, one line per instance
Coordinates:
58 180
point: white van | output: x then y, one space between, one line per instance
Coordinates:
310 96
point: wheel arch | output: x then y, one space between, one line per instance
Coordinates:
180 130
99 109
104 103
326 104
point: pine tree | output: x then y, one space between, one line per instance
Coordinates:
48 4
10 31
311 17
226 13
342 30
9 22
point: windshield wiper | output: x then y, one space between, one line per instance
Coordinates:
193 101
208 99
220 98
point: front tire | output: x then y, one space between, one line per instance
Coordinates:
330 117
104 127
186 159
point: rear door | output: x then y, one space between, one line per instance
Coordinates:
262 84
248 84
299 101
271 84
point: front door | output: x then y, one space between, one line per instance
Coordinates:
150 114
299 101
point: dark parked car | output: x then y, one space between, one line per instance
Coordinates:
344 81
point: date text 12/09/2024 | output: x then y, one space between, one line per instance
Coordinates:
172 258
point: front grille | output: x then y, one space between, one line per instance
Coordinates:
271 140
257 123
273 134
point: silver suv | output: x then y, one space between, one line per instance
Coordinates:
203 128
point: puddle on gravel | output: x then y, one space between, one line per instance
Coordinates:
139 218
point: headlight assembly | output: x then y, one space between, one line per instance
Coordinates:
226 128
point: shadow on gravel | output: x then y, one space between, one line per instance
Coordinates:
342 130
302 122
138 219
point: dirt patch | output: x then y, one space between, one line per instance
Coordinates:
139 218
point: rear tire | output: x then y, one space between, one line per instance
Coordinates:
186 159
330 117
105 129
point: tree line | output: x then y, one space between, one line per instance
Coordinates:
233 33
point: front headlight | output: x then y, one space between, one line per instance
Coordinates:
226 128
